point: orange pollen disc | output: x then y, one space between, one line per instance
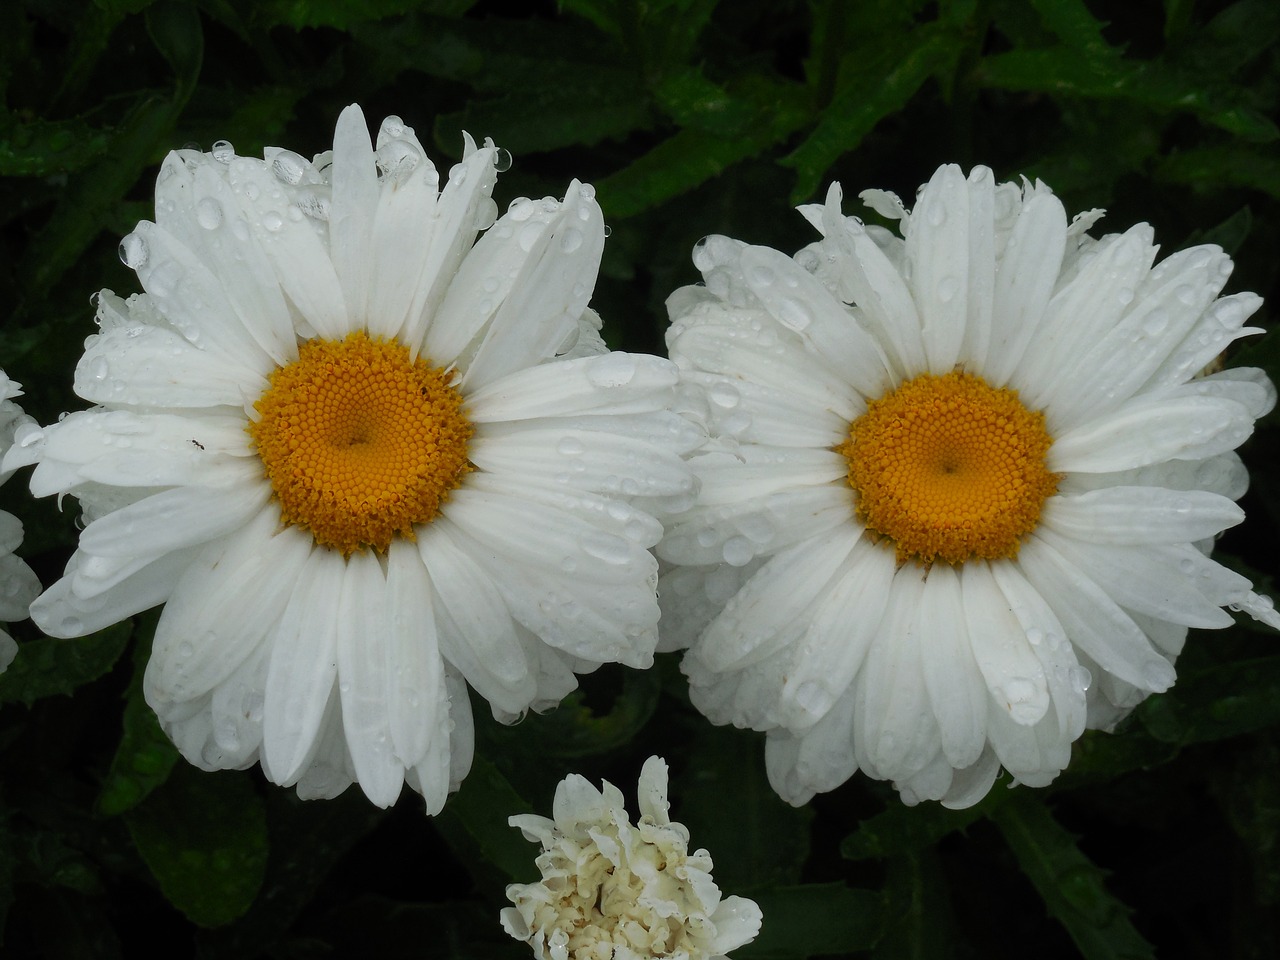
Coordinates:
360 442
949 468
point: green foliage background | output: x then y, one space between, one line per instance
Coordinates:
690 117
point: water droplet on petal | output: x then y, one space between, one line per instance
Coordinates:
501 160
738 551
947 289
133 251
289 167
571 240
612 370
223 151
272 221
724 395
209 213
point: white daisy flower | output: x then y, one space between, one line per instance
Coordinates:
961 486
611 890
360 457
18 584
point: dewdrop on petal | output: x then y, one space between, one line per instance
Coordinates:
616 890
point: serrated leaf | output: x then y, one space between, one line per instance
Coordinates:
758 838
872 84
88 201
41 148
1071 22
1070 884
48 666
1227 165
204 837
145 757
692 157
814 919
1061 70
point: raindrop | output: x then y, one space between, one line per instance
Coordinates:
1080 678
586 191
209 213
793 314
761 276
289 167
223 151
1155 322
571 240
608 230
738 551
936 214
501 159
608 547
133 252
392 128
397 159
724 395
570 447
314 202
98 368
272 221
529 235
612 370
1035 636
947 289
486 214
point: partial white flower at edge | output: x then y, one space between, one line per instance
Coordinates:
363 459
961 485
614 890
18 583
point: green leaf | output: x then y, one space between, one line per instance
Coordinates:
574 730
918 917
1216 703
692 157
41 148
204 836
812 919
88 201
1061 70
1227 165
871 85
145 757
49 666
758 839
308 839
1071 22
176 31
482 807
899 829
1069 883
343 14
544 115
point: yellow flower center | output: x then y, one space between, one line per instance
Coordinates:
360 442
949 467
